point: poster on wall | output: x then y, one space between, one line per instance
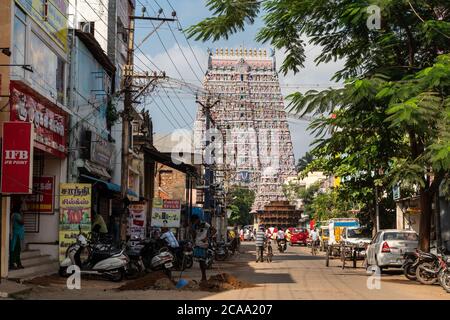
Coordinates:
137 220
42 199
17 158
75 212
166 213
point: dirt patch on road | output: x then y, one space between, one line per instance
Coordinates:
160 281
146 282
224 281
46 281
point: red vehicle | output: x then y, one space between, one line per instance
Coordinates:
298 236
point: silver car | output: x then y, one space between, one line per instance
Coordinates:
387 248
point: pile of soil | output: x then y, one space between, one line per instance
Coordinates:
224 281
146 282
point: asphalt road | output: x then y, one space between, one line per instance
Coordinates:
295 274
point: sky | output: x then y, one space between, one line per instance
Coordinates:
187 61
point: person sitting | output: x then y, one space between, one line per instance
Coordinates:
99 227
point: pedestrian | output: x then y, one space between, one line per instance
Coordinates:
280 235
314 238
241 235
17 235
260 241
98 225
201 231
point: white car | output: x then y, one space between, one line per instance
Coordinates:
387 248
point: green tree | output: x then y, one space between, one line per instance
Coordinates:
241 200
303 162
394 109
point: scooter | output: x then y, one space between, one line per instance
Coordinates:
110 264
156 257
282 245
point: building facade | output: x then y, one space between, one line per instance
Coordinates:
252 121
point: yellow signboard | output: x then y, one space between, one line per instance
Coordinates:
51 16
74 213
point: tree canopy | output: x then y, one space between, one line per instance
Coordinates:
391 122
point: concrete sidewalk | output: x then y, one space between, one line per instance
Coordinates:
9 289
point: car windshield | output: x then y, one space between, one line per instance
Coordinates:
359 233
402 236
325 232
298 230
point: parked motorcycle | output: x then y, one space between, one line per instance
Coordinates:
110 263
188 253
282 245
221 251
428 266
156 256
409 266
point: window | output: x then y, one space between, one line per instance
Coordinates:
48 68
19 40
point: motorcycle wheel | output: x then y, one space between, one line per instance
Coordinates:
423 276
168 272
117 277
410 272
209 263
221 257
189 262
63 272
444 280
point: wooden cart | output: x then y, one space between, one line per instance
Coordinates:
344 252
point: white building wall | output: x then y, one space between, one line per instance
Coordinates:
49 223
91 11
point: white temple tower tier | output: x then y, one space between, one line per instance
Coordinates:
258 150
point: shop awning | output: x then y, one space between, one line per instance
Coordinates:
111 186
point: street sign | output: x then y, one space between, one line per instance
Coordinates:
396 192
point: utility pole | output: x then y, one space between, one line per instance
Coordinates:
129 100
209 175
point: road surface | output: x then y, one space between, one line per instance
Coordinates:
295 274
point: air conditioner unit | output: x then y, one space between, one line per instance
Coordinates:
87 27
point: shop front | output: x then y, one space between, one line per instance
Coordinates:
49 166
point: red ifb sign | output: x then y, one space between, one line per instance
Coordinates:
17 157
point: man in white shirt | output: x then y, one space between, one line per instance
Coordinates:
201 231
314 239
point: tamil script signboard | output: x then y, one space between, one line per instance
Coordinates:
42 199
74 213
166 213
137 220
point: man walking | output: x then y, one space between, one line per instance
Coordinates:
201 231
260 240
314 238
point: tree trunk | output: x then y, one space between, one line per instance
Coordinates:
425 219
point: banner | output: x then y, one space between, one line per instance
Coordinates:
50 122
166 213
137 220
50 15
42 199
17 158
74 212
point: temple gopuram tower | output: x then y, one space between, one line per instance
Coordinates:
258 150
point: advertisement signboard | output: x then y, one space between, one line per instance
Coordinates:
75 212
50 15
48 120
138 220
17 158
166 213
42 199
101 151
